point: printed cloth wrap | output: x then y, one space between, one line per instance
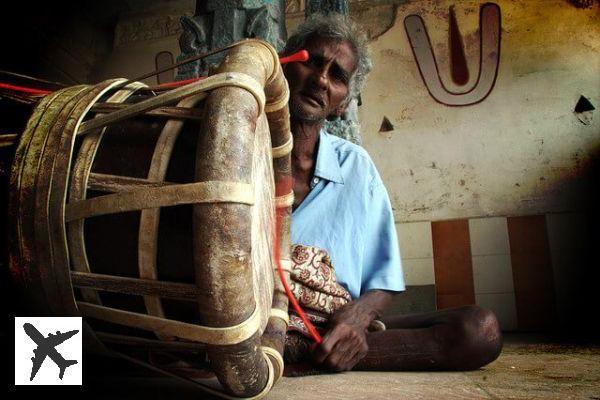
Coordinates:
314 285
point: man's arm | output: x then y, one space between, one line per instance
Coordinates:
345 344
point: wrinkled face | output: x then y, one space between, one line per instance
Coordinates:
319 86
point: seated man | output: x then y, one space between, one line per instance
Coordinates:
342 206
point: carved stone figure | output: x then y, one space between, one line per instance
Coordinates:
192 41
219 23
326 6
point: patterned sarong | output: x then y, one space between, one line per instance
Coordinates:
314 285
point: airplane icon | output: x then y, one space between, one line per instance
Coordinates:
46 347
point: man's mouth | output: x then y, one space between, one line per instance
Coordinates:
318 100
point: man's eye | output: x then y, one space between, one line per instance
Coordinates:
315 61
339 76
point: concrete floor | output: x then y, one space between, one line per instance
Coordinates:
523 371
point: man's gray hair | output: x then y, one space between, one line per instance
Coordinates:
336 26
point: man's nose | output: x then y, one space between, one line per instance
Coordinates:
321 77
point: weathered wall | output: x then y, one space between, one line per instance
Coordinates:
520 151
460 178
492 201
139 37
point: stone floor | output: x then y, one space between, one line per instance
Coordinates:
523 371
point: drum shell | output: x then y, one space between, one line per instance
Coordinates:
65 265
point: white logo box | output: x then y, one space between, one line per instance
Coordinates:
69 350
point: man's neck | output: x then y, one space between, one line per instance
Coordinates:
306 137
304 157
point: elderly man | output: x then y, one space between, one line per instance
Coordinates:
342 206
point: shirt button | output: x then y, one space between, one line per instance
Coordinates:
315 180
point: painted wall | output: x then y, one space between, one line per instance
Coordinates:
467 184
521 150
492 201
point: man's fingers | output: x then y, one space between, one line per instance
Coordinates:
345 361
345 346
342 348
354 355
345 353
338 359
322 351
330 340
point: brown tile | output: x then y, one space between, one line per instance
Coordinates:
451 238
528 235
532 272
452 263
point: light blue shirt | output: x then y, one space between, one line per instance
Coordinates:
348 213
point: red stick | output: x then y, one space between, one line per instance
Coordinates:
23 89
300 56
311 329
178 83
284 186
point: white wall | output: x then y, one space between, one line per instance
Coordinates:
520 151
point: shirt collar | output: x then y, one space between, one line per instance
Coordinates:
328 165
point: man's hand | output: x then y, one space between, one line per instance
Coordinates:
344 345
346 342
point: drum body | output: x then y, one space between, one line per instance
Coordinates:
156 216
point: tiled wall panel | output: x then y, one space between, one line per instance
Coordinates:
532 272
452 263
492 269
568 236
489 236
528 270
416 250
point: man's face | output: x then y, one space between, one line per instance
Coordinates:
319 86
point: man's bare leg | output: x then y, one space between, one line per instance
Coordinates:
462 338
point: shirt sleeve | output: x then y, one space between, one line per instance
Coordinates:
382 268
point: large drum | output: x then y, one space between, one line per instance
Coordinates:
158 217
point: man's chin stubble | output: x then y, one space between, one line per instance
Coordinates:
298 114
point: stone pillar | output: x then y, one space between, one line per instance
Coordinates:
326 6
218 23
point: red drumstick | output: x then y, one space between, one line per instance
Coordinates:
300 56
23 89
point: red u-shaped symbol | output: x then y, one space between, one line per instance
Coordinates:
489 58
